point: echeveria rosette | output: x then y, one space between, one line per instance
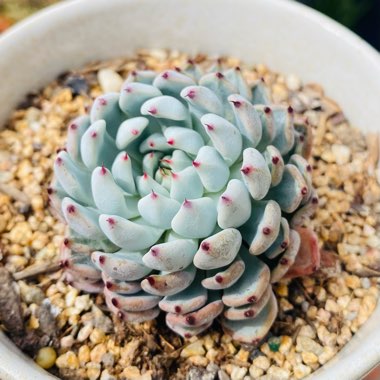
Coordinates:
186 192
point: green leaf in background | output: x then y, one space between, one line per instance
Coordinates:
347 12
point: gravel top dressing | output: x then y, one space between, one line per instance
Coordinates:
73 335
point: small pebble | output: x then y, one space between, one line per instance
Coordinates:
238 373
255 372
222 375
107 376
261 362
192 349
46 357
301 371
67 360
342 153
309 358
93 371
278 373
84 354
293 82
109 80
305 344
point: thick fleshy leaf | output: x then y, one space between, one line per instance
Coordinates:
184 139
56 194
196 218
106 107
226 278
164 178
305 169
122 173
249 311
108 196
187 332
211 168
290 192
218 250
255 173
225 137
281 242
190 299
80 266
221 86
167 284
202 100
267 124
130 235
171 256
251 285
193 70
74 179
197 318
171 82
158 210
151 162
287 258
146 184
83 284
275 163
155 141
252 331
121 265
235 76
121 287
284 129
260 94
97 147
75 132
130 130
234 205
165 107
248 120
138 316
133 95
306 211
132 302
186 184
178 161
308 257
263 226
141 76
83 220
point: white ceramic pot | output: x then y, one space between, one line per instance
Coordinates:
288 37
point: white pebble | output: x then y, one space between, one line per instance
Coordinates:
305 344
109 80
67 341
307 331
107 376
238 373
84 332
301 371
83 303
193 349
293 82
366 283
278 373
342 153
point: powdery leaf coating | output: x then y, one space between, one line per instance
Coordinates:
175 189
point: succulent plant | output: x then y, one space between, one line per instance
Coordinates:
186 192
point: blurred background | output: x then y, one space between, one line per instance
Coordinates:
361 16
